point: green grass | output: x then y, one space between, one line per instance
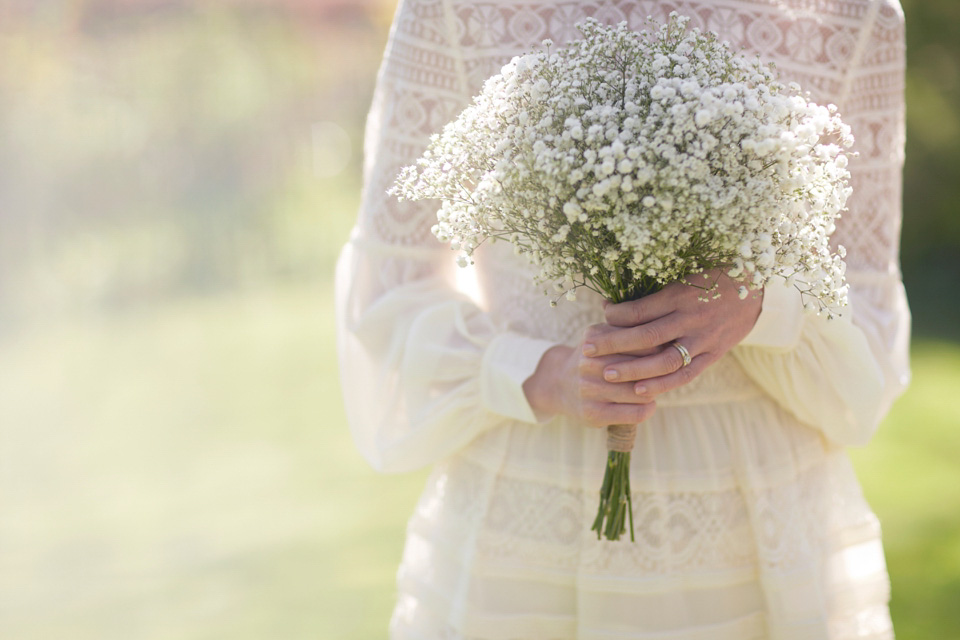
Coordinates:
186 473
911 476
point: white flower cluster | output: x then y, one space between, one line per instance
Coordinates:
628 160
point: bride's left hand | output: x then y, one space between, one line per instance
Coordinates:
675 314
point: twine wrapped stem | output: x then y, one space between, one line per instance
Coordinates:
620 437
616 503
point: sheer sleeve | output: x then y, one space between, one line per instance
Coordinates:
424 370
842 376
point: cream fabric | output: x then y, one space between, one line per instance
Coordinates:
750 521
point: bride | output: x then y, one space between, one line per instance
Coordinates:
750 523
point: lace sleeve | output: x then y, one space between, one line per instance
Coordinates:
870 229
843 376
423 370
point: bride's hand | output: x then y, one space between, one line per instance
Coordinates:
569 383
707 330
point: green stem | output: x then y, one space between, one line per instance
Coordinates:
616 502
630 503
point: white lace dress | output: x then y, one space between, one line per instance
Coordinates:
750 521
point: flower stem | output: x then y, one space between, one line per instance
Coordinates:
616 503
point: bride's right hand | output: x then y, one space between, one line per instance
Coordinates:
568 383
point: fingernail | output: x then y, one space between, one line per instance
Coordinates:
611 375
589 349
639 390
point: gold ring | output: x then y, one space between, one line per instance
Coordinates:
683 353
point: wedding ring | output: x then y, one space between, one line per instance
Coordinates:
683 353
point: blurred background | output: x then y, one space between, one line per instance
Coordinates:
176 180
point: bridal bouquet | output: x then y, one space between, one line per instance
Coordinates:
628 160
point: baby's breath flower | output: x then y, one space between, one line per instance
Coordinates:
686 158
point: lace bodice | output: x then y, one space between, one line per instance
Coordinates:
849 52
